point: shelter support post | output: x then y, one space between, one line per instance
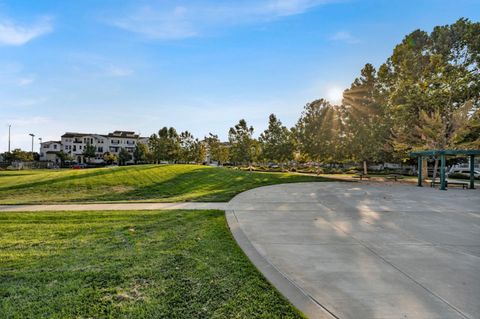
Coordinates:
472 171
443 181
419 171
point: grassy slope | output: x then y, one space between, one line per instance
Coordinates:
160 264
167 183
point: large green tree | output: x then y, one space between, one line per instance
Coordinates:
165 145
320 132
217 150
191 149
367 129
89 151
468 135
277 142
199 151
243 146
428 79
141 153
123 157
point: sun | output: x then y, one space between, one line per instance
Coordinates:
335 95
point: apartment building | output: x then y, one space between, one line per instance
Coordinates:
74 145
49 150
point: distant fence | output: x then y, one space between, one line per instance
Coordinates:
27 165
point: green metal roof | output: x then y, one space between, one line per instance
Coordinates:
445 152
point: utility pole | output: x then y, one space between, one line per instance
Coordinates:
40 139
32 135
9 126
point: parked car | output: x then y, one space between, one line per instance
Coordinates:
463 172
79 166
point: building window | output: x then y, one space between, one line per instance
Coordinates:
55 146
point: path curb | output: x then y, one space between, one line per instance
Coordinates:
299 298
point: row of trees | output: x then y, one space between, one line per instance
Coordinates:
19 155
170 146
425 96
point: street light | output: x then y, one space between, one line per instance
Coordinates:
40 139
32 135
9 126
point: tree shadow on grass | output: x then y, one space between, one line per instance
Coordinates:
49 182
203 185
70 177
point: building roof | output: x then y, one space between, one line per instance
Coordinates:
50 142
123 134
73 134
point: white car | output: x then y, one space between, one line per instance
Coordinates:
464 171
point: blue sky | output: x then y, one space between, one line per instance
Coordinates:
98 66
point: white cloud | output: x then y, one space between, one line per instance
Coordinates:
14 34
95 65
25 81
344 36
117 71
290 7
172 24
166 22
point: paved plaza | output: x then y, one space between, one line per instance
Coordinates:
366 250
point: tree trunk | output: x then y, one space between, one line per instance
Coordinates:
435 167
424 169
365 170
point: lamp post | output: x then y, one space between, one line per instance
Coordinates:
40 140
9 126
32 135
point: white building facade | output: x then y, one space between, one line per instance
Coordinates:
74 144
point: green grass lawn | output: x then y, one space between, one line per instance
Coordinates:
129 264
165 183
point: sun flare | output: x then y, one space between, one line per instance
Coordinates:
335 95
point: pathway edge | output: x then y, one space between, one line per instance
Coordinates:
299 298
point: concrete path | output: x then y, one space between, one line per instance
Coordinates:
110 206
356 250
